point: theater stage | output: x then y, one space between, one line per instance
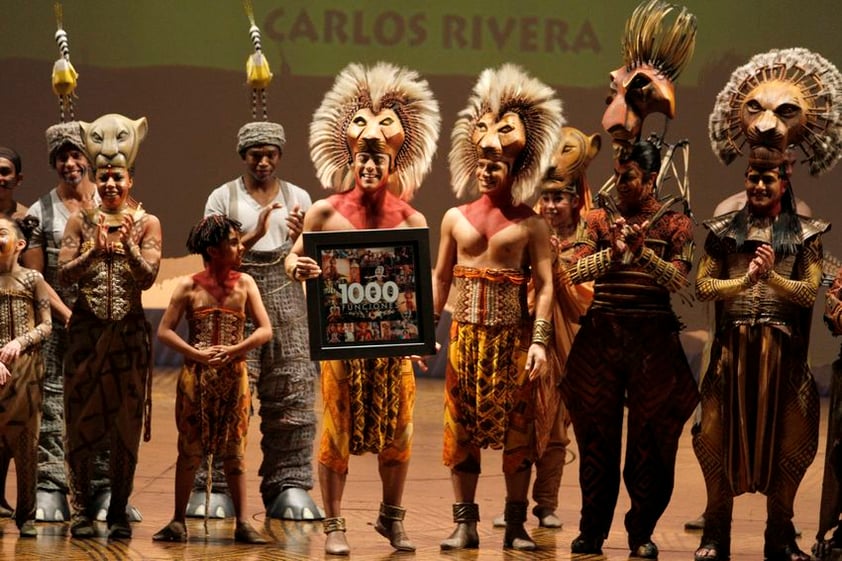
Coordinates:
428 498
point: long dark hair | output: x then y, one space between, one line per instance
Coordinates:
786 229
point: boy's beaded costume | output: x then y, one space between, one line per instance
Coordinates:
511 125
213 403
760 410
382 110
213 399
627 351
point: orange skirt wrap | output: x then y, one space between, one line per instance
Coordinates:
363 415
488 398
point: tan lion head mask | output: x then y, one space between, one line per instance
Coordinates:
113 140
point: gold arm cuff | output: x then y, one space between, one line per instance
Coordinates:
542 331
665 273
591 267
802 293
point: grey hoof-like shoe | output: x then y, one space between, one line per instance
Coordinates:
220 505
335 541
465 536
100 507
390 525
51 506
294 503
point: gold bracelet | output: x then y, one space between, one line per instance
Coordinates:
542 330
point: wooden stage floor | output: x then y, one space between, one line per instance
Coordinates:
428 498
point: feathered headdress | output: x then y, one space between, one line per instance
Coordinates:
500 91
646 41
820 84
379 87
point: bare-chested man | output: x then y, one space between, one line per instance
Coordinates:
489 248
392 124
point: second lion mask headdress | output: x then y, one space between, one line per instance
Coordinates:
780 99
498 92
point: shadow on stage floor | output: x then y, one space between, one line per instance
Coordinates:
428 498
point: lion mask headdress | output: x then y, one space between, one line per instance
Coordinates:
384 108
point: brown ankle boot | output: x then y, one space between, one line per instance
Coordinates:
390 525
516 536
466 516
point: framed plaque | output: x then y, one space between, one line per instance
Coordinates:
374 297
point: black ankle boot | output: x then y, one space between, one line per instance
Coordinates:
587 544
516 536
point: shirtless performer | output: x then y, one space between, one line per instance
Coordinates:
384 121
490 247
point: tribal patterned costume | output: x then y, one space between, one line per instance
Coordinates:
501 146
107 371
20 398
487 397
760 410
759 425
375 120
627 352
212 404
381 396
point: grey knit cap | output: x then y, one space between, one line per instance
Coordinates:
260 132
62 134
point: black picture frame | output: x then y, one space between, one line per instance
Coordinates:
374 297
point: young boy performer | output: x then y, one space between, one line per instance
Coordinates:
213 399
